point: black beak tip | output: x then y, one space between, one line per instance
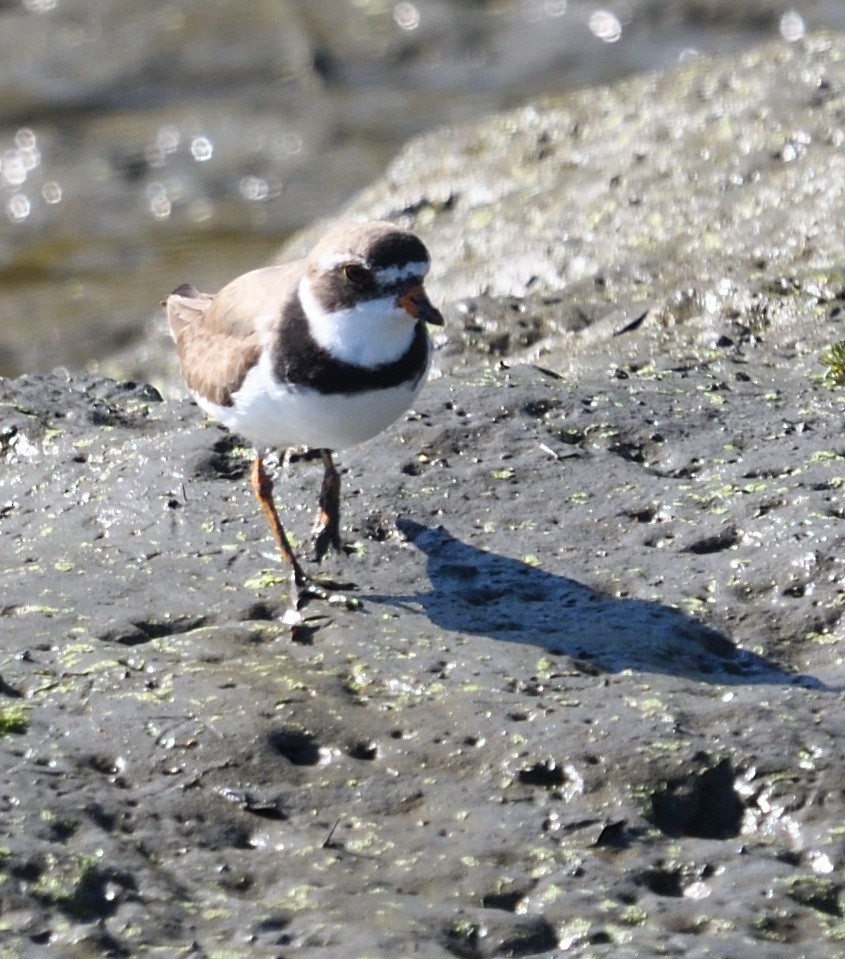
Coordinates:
433 316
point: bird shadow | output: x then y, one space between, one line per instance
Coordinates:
485 593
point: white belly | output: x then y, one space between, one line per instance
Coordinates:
269 414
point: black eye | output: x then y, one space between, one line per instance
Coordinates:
358 275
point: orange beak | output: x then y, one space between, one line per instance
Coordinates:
416 303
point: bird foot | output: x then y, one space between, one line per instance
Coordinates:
304 588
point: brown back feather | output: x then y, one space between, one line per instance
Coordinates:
219 336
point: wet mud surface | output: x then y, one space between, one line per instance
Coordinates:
592 698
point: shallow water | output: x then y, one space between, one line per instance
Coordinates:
142 146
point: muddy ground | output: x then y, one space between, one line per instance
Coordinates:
592 696
590 704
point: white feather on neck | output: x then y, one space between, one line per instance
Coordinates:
372 333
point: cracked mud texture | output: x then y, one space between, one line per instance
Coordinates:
592 702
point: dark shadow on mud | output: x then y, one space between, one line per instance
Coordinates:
479 592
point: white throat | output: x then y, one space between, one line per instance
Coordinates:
370 334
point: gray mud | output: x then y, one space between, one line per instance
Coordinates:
592 696
592 701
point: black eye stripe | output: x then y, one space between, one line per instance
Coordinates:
335 287
358 275
386 284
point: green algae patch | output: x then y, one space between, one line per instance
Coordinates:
834 359
13 719
266 580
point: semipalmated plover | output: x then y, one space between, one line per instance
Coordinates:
324 352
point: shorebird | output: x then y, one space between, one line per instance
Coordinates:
323 352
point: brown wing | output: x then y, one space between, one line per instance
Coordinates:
219 336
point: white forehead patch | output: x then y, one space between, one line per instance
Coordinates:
392 274
384 276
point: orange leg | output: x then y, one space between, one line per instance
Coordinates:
327 528
262 485
303 587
